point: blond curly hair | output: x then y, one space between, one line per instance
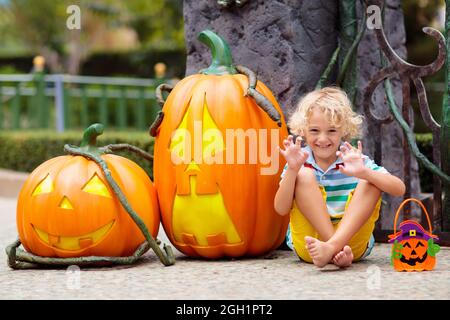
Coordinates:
332 101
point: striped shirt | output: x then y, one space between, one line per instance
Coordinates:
336 184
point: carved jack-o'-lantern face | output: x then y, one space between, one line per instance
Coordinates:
73 243
66 208
216 208
207 221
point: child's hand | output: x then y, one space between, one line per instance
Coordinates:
293 153
353 160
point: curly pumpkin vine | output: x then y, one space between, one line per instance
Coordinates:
72 250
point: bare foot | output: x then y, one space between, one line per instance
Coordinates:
320 252
343 258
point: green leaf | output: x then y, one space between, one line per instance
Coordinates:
432 247
396 251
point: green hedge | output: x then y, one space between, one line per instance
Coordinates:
25 150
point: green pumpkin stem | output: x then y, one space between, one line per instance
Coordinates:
222 61
90 135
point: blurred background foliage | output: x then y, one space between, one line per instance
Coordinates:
133 28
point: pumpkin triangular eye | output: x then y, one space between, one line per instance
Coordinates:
65 204
179 147
212 137
96 186
45 186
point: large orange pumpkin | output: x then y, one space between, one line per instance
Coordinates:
67 209
213 209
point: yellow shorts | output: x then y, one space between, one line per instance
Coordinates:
300 227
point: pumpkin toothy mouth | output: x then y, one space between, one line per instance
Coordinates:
414 261
73 243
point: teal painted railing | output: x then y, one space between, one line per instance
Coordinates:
64 102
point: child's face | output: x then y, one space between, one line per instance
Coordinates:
322 137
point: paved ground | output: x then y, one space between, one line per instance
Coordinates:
278 276
11 182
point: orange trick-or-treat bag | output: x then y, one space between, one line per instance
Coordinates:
414 248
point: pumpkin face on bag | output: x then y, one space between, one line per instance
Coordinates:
414 251
414 248
67 209
211 205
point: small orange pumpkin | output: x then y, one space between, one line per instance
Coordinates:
67 209
413 247
213 209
